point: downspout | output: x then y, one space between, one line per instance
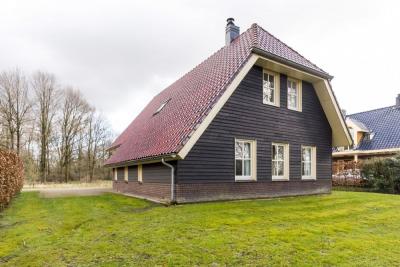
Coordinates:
172 179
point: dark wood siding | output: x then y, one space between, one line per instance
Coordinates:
156 173
245 116
132 173
121 174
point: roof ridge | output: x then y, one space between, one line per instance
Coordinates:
188 72
295 51
375 109
254 36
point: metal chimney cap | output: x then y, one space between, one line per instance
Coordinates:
230 21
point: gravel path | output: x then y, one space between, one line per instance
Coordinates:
67 192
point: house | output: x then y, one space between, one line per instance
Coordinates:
376 133
256 119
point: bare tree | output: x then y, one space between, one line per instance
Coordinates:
46 93
74 112
97 136
4 134
6 108
55 131
14 105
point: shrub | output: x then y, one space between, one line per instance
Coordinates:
383 174
11 176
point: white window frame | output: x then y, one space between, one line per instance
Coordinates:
115 174
286 153
253 161
313 175
276 88
299 94
140 173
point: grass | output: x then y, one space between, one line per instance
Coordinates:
344 228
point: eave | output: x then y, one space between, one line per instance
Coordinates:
291 63
152 159
340 133
365 152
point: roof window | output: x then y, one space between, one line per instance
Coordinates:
161 107
369 136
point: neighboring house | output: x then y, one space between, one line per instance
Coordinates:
376 133
253 120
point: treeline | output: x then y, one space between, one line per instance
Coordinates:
53 128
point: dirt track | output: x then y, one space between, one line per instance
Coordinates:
66 192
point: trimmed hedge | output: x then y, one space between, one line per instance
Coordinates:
11 177
383 174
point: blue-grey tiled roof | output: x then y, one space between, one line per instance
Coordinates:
384 124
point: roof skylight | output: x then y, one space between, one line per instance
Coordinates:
161 107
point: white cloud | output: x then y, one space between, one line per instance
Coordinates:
122 53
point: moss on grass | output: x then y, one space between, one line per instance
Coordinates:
345 228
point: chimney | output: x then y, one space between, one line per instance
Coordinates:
231 31
398 101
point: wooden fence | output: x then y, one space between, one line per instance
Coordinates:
347 173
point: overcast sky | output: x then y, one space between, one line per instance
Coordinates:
122 53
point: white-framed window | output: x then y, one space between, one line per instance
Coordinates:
245 160
294 101
280 161
115 174
140 173
308 163
271 88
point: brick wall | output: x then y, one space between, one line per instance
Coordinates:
153 191
196 192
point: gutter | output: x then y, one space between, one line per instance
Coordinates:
142 161
366 152
172 180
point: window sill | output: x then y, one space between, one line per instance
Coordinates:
239 179
294 109
280 179
308 178
272 104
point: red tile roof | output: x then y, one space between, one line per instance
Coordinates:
192 97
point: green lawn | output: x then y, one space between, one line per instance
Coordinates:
345 228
